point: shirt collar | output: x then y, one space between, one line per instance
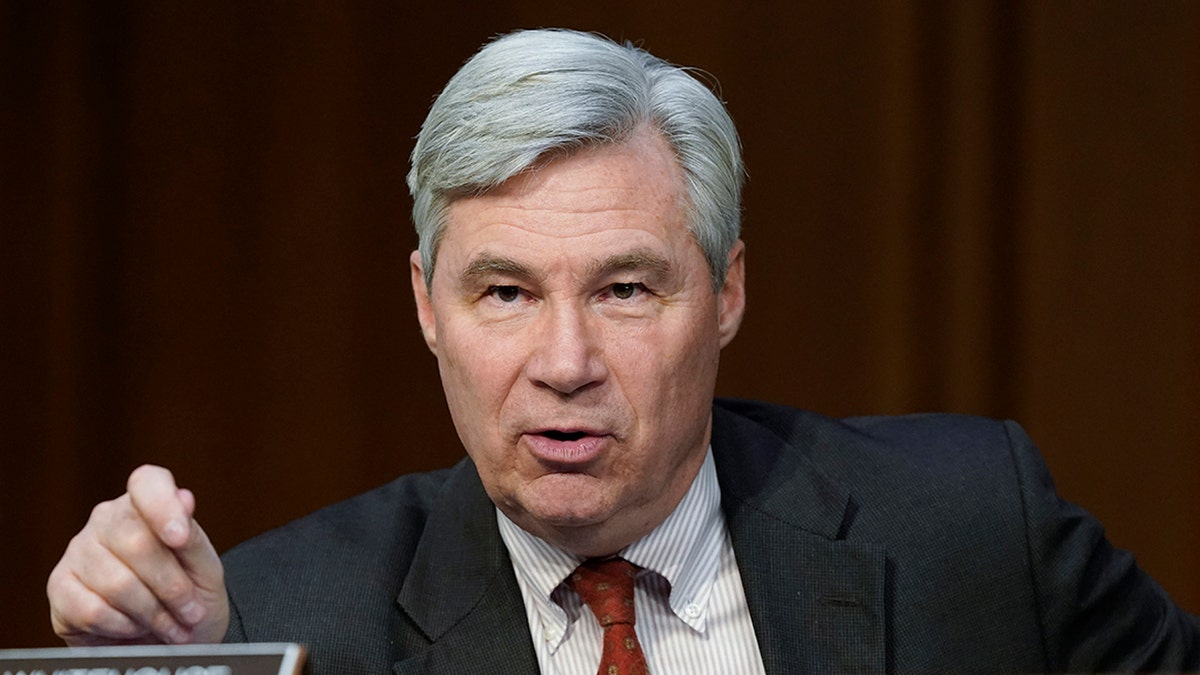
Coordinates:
685 548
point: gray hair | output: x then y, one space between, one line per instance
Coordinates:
535 92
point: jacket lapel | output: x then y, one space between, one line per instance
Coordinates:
817 601
461 592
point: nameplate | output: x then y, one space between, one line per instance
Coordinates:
247 659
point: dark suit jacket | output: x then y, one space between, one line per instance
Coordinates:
926 543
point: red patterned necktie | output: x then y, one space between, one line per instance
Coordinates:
607 588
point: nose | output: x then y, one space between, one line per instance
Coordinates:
567 357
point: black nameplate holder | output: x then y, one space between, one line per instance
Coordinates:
247 659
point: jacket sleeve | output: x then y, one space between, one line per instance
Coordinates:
1099 611
235 633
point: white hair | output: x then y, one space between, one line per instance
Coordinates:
531 93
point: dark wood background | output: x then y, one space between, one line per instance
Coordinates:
982 207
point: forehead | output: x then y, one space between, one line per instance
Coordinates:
634 190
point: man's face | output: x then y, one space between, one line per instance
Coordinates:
577 334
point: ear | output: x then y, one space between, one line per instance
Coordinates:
425 313
731 301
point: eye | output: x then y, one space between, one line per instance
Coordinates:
625 291
505 293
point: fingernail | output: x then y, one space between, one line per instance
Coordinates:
177 635
192 612
174 529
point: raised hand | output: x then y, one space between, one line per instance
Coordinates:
141 571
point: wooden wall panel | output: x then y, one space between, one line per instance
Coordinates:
979 207
1110 252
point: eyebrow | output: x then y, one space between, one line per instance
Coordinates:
488 265
638 260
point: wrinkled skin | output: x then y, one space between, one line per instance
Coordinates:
577 335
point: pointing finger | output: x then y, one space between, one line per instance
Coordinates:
155 496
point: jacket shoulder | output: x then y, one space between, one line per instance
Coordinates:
938 436
983 556
335 572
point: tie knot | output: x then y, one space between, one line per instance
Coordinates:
606 585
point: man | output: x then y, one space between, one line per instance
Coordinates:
579 271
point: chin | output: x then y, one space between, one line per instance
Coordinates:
576 514
567 501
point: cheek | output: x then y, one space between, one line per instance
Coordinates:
470 396
668 366
477 372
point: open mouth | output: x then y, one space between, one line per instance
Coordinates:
557 435
566 449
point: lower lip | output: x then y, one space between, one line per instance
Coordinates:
566 454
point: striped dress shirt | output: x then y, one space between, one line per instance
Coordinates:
691 608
